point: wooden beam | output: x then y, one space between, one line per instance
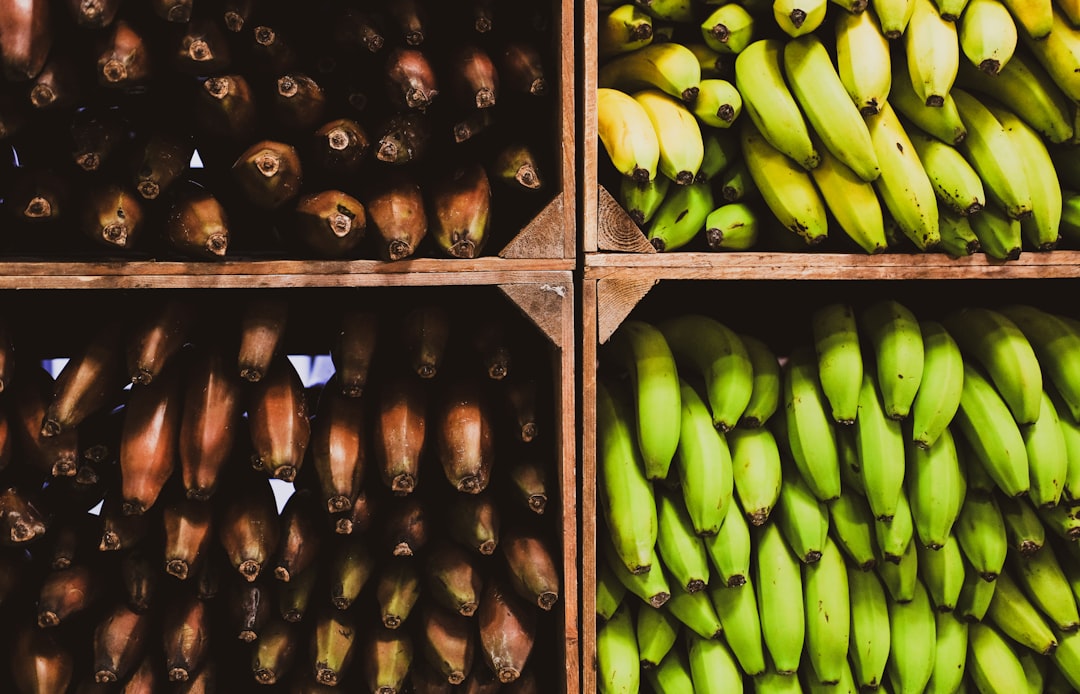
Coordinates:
543 236
615 231
544 304
615 298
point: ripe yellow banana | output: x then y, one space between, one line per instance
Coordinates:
938 396
799 17
627 135
718 104
852 201
893 16
625 28
668 66
957 185
703 463
1034 17
987 35
810 434
677 131
728 29
862 60
933 53
942 122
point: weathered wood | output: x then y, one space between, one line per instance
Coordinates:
589 346
569 161
588 145
616 297
543 236
615 230
544 304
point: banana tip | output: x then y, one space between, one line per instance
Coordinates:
64 468
736 581
528 432
403 549
47 618
265 676
178 674
285 473
403 484
467 609
250 569
391 621
508 674
326 676
251 374
247 636
104 676
487 548
282 574
177 568
339 503
50 427
547 600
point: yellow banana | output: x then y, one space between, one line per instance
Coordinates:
623 29
1034 17
862 60
893 16
728 29
677 131
718 103
627 135
799 17
942 122
933 53
852 201
987 35
668 66
955 182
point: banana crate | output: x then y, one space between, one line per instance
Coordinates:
358 134
953 531
311 487
754 131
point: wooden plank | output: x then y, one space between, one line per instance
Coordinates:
587 143
543 236
615 298
831 266
615 231
568 93
544 304
589 344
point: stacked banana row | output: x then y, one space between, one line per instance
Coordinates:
895 504
908 124
405 554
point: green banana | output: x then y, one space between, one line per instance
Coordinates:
802 518
981 532
900 578
765 392
670 10
975 596
656 630
950 653
738 612
609 591
991 431
1071 430
696 612
897 343
652 587
626 496
668 66
677 131
722 149
999 236
958 239
773 682
840 366
880 443
617 661
641 351
733 227
778 580
851 526
1043 580
809 426
680 217
993 663
718 103
938 396
1047 454
1061 520
913 632
730 549
1067 659
681 551
828 614
955 182
713 668
1035 670
942 122
862 60
703 464
642 200
1023 528
1034 17
894 536
625 28
942 573
627 135
893 16
1055 343
728 29
935 489
755 462
672 674
870 638
847 449
736 183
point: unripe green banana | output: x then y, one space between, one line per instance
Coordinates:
897 343
1035 670
981 532
880 443
847 450
853 202
680 217
642 200
894 536
1045 583
703 464
627 135
958 239
942 573
681 551
668 66
617 662
852 528
1056 343
810 434
900 578
942 122
652 587
626 496
696 612
828 614
765 393
870 638
728 29
803 519
913 632
957 185
935 489
1000 237
1067 659
712 666
625 28
975 596
737 609
840 366
656 631
732 227
609 591
718 104
987 35
933 52
755 462
1071 430
938 396
950 653
722 150
708 347
778 580
1023 528
773 682
677 131
992 664
736 183
987 425
672 674
1047 455
640 350
799 17
730 548
862 60
893 16
1062 520
768 101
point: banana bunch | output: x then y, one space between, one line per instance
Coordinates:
910 125
895 504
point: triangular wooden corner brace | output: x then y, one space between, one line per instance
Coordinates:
616 297
544 304
615 231
543 237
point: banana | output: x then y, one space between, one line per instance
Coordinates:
668 66
626 496
950 10
756 468
773 682
880 445
704 466
950 653
652 587
1035 17
933 52
657 631
769 102
672 674
942 122
787 189
778 581
1061 520
954 180
870 637
718 103
1054 342
987 35
851 526
730 549
913 632
958 239
1035 670
609 591
852 201
975 595
765 394
981 532
840 366
893 16
799 17
627 135
640 350
1070 9
803 519
810 434
681 551
696 612
712 666
1071 430
900 578
935 489
733 226
992 663
670 10
738 612
618 666
942 573
820 93
1043 580
1047 455
999 236
728 29
678 133
1023 529
1070 213
714 351
988 426
722 150
1024 85
828 614
1067 659
622 30
894 536
680 217
938 396
862 60
642 200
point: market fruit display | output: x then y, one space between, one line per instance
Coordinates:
858 127
181 510
889 501
336 130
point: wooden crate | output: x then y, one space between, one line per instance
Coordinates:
53 319
757 296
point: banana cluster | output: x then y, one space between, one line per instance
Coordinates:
894 504
916 125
